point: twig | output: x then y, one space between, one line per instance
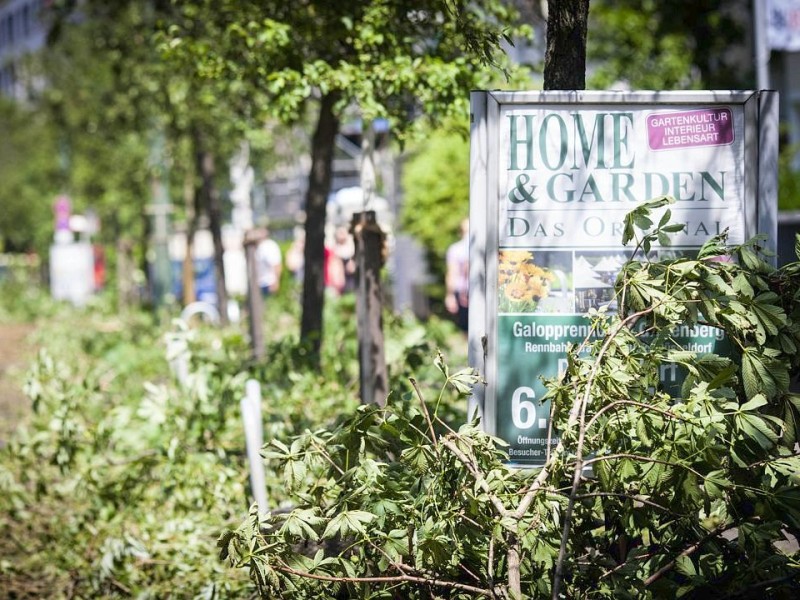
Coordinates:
120 586
761 584
127 461
642 405
490 562
622 565
687 552
389 579
772 459
326 456
580 420
424 409
642 459
480 480
627 497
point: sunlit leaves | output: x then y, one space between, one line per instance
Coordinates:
348 522
377 56
762 372
301 524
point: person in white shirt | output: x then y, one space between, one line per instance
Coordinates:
268 265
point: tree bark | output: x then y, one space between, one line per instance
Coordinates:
211 200
190 199
255 302
565 59
369 242
319 186
514 574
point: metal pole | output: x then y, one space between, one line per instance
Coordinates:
160 209
762 50
255 303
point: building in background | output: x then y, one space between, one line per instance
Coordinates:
22 31
780 50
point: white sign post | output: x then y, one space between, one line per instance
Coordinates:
553 175
72 272
254 438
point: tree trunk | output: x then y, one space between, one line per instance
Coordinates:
565 60
514 561
126 294
144 265
564 69
190 199
255 302
319 186
211 200
369 242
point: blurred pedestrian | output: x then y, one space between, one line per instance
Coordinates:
456 299
345 249
333 271
295 255
268 264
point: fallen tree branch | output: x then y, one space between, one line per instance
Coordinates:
402 578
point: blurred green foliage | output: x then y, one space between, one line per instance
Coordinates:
789 179
436 193
122 478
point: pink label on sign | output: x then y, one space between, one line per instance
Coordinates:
687 129
62 210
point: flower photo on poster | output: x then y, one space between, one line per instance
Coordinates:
531 282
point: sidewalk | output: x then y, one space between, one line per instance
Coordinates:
14 354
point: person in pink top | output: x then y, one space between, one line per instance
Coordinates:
456 300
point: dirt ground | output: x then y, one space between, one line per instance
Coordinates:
15 352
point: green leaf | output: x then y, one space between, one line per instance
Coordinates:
347 522
464 380
395 544
294 473
757 402
224 543
419 457
642 430
301 523
756 428
716 246
742 286
716 484
685 566
762 375
787 501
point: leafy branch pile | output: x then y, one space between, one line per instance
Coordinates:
646 495
122 479
117 484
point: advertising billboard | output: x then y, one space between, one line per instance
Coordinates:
553 175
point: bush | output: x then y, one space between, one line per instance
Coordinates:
123 477
646 495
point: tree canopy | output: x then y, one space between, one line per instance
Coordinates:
408 62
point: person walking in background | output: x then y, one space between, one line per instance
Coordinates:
456 300
344 247
295 255
334 271
268 265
